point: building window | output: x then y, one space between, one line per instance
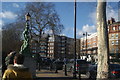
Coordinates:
51 43
95 38
116 42
51 48
119 27
112 42
113 28
34 44
116 35
51 39
51 51
42 47
117 50
62 52
112 50
89 41
33 47
82 46
94 44
63 45
63 48
112 36
34 51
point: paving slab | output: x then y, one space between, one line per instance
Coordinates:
51 75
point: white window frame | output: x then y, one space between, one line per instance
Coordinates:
116 42
117 50
112 43
112 36
113 28
116 35
113 50
119 27
51 43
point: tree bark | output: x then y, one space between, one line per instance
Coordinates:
103 49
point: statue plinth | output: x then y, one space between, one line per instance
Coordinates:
31 64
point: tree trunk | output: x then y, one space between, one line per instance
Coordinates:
103 49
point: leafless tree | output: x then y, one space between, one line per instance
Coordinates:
11 37
44 18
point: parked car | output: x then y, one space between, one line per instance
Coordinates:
81 65
114 71
46 61
57 65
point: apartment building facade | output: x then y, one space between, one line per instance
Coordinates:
88 48
55 47
39 45
114 38
54 44
89 45
60 47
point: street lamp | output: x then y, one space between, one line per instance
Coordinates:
74 73
25 48
82 47
27 17
86 34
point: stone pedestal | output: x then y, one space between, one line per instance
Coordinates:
31 64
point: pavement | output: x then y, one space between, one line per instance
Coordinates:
48 73
51 75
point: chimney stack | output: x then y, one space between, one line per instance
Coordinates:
111 21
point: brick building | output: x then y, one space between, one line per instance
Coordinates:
55 47
114 38
40 46
60 46
90 47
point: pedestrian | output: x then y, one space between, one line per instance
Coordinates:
9 58
17 71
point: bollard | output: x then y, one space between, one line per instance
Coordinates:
56 71
79 73
65 70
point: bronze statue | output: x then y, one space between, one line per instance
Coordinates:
25 48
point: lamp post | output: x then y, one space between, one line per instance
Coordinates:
27 17
25 48
74 73
82 47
